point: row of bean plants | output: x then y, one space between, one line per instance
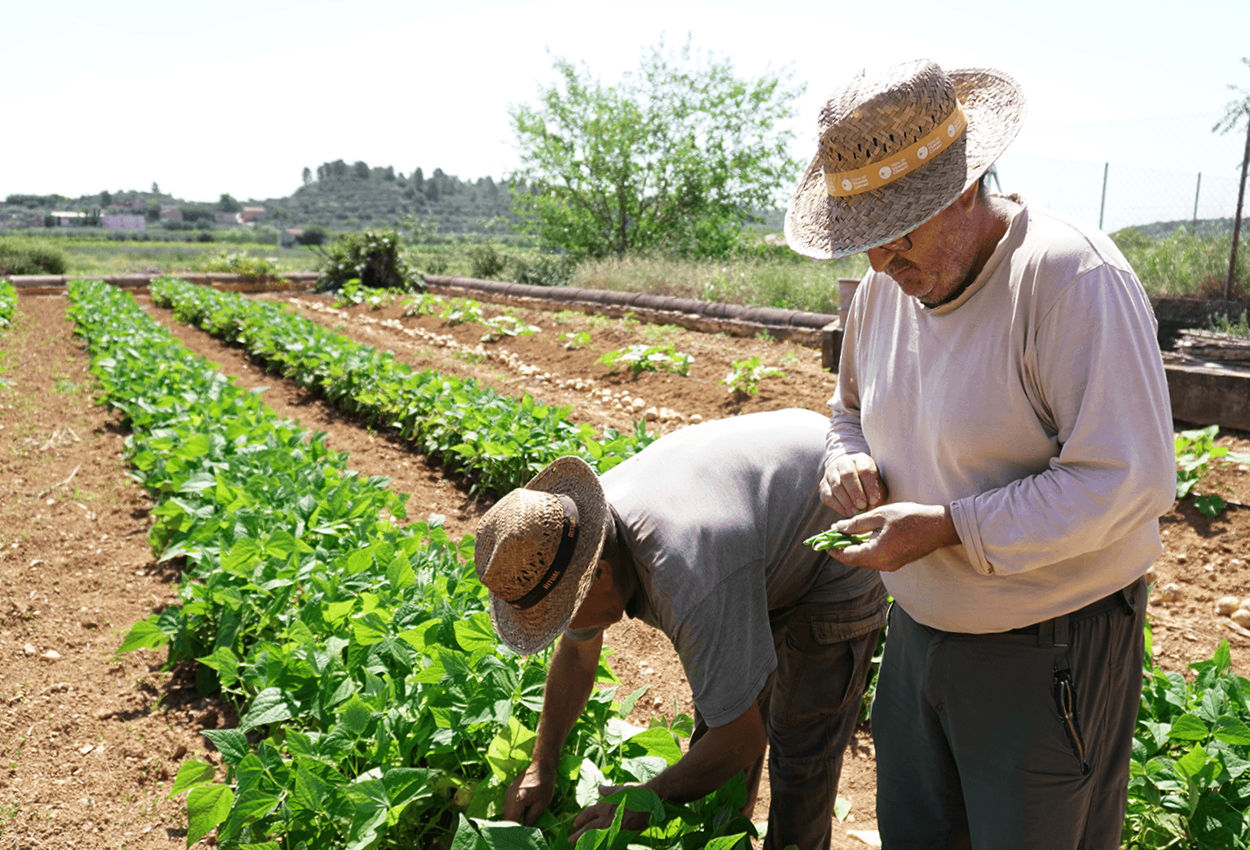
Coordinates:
376 707
497 440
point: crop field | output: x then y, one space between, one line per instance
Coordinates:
237 601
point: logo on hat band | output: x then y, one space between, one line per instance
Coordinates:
559 564
885 171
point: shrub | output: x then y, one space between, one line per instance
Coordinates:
486 260
31 258
238 262
544 270
371 256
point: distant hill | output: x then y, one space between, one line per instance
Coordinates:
352 197
336 197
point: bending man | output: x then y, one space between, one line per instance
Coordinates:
700 535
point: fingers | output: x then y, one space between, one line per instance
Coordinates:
851 484
598 816
527 798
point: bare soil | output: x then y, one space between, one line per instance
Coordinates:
90 742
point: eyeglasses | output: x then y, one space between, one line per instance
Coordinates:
899 245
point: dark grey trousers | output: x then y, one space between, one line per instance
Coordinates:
1009 741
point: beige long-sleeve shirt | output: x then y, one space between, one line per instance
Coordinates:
1035 406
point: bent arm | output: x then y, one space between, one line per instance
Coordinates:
570 679
714 759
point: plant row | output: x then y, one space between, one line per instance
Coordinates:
500 442
8 303
376 707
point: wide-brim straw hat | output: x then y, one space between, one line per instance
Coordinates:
535 587
894 151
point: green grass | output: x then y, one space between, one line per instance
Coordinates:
105 258
785 283
1183 264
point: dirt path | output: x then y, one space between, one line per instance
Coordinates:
90 743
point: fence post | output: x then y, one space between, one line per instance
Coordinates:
1241 196
1197 193
1102 209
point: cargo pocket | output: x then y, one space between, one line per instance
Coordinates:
1065 703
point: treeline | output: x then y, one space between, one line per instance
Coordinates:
341 196
334 197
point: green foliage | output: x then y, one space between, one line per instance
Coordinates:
1195 450
674 157
648 358
239 262
543 269
486 260
1220 323
371 256
506 325
29 257
1188 783
1182 263
574 340
353 293
745 375
376 706
8 303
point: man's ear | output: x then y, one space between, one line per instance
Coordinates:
968 199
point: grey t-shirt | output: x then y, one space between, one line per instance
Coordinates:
715 516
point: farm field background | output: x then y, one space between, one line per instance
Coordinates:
90 743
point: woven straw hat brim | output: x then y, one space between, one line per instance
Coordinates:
533 629
823 227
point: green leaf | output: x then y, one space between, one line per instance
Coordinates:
476 633
145 634
231 742
272 705
207 807
190 774
1188 727
1231 730
510 750
1193 762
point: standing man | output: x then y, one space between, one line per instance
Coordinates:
700 535
1002 424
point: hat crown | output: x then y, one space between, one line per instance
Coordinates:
520 536
879 114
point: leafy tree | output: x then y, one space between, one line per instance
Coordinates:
676 156
307 176
228 204
360 170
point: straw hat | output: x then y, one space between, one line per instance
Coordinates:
536 551
896 147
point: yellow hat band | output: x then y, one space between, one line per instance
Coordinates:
891 168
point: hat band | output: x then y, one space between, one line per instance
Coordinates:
891 168
559 565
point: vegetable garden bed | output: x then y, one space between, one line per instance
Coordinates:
67 592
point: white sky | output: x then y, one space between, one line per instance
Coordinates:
239 97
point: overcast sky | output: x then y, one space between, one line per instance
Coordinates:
240 97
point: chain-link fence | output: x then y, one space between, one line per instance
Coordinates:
1154 175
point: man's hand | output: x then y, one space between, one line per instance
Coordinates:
905 532
529 795
600 815
851 484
